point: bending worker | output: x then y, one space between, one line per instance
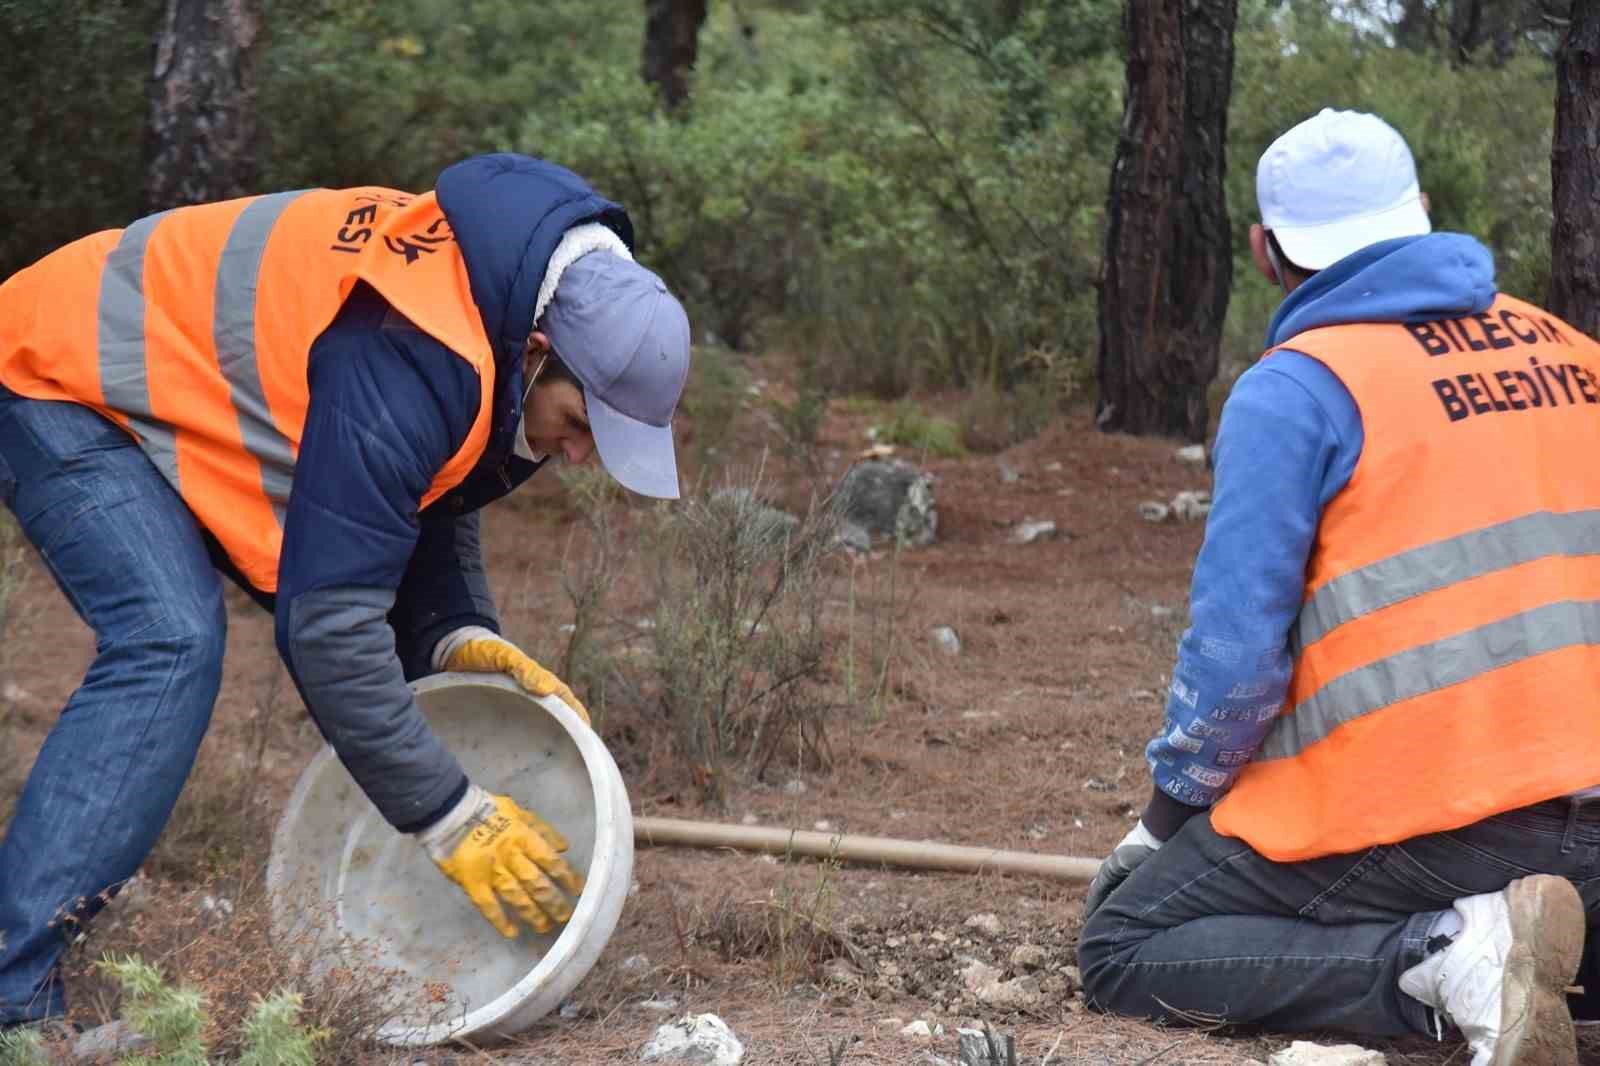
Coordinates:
313 392
1377 789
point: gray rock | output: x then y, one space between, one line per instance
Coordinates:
975 1047
1029 957
1019 993
945 639
917 1028
854 537
977 975
696 1038
1194 454
1305 1053
890 499
985 923
1159 610
1028 532
636 965
114 1040
1008 473
658 1004
795 787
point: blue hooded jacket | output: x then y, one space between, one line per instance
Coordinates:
368 581
1289 440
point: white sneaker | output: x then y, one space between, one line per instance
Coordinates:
1503 979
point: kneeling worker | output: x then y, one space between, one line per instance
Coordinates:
1377 794
313 392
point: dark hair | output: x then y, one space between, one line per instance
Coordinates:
1288 264
556 370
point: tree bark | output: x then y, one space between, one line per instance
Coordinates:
1168 265
1575 173
671 44
202 131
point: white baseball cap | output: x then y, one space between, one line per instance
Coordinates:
1336 183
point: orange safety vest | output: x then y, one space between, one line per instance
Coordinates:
202 328
1447 653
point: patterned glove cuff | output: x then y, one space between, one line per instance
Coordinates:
443 837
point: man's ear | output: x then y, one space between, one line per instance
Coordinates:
1427 208
538 344
1258 252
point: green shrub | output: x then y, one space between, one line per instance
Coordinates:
174 1019
22 1047
914 427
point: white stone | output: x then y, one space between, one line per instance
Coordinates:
1008 473
1030 531
1160 610
697 1038
945 639
1028 957
1052 468
1305 1053
750 819
985 923
1019 993
1152 511
794 787
658 1004
636 964
1191 505
917 1028
977 975
822 825
1191 453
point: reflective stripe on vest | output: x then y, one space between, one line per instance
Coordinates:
124 378
201 337
1447 646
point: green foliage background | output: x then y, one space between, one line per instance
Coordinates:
909 191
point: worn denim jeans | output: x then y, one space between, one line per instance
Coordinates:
1208 929
130 557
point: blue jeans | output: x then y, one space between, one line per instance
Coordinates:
131 559
1207 928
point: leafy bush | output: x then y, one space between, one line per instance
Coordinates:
916 428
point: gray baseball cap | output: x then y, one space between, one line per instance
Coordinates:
626 339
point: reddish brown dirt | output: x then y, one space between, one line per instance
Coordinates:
1030 739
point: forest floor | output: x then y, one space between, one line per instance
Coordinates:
1030 738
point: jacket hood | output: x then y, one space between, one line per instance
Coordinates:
1408 279
508 213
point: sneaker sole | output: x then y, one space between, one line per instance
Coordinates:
1547 930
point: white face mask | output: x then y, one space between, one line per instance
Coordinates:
519 447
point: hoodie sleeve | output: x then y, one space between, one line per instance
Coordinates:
1289 440
388 407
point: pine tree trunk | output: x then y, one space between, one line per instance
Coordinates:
1168 264
1575 173
671 43
202 110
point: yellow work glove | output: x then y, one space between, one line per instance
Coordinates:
492 655
500 853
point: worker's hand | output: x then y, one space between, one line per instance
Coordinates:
493 655
1126 857
500 853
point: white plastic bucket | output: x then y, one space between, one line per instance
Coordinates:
339 871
